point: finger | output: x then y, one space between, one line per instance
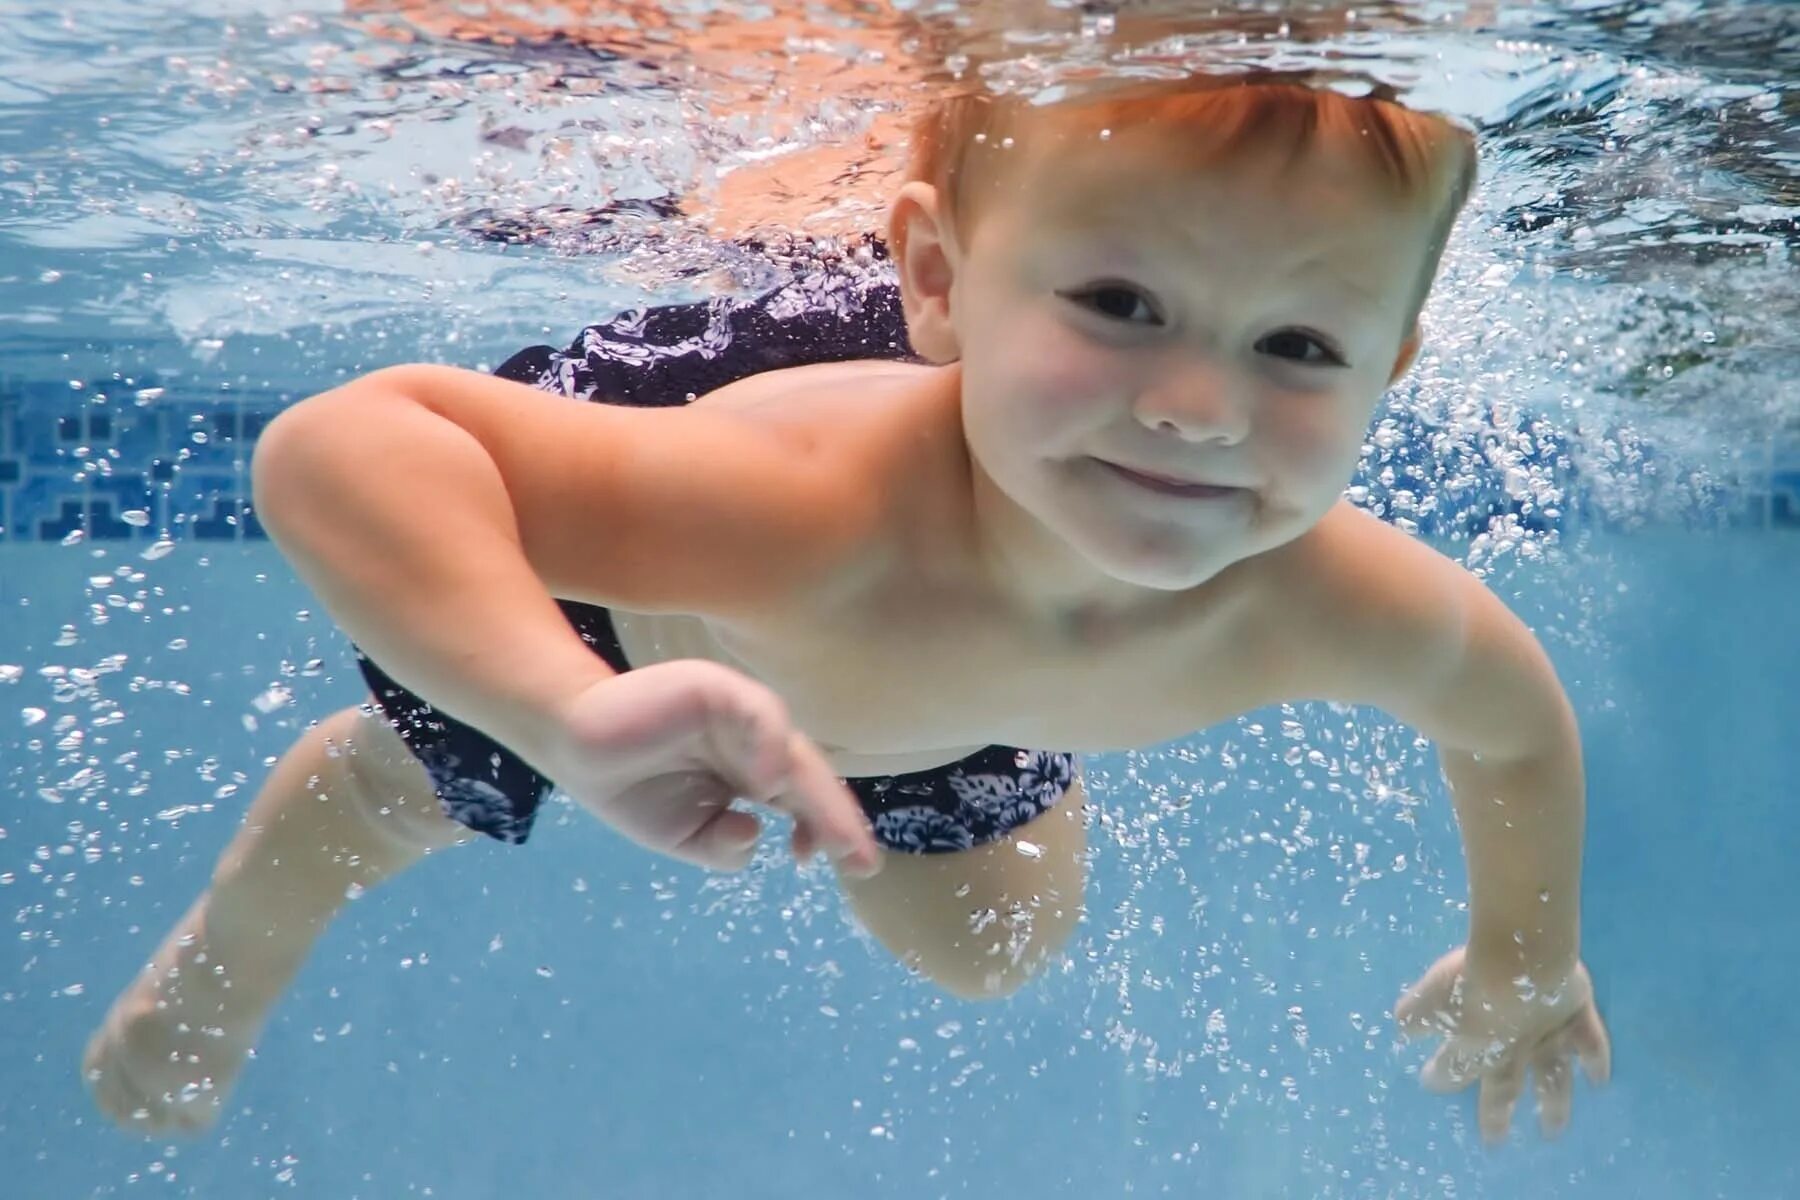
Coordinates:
1427 1007
1420 1012
725 843
1554 1083
804 844
1451 1069
1588 1033
751 742
833 818
1500 1089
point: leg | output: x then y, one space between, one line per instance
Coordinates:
347 806
983 921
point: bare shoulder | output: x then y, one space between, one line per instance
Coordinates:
890 431
1375 609
1384 619
749 498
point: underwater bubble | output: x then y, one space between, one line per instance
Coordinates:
274 698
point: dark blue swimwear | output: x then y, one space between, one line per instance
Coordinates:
664 357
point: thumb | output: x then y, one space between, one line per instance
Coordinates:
725 843
1423 1010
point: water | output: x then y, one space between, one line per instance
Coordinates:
210 215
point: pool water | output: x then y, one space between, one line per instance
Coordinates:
215 215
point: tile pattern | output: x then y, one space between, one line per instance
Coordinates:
110 469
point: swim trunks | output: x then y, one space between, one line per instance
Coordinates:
666 356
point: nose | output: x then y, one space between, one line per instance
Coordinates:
1197 402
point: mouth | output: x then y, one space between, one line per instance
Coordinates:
1170 486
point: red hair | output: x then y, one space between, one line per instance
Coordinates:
1418 157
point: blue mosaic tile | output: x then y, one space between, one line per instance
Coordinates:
79 463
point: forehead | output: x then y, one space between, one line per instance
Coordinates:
1149 186
1070 168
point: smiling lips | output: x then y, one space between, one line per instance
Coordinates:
1169 486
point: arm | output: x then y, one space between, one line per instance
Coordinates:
1511 752
1415 634
1422 638
436 512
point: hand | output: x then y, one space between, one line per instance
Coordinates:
1494 1028
659 754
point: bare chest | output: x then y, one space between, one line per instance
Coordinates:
904 686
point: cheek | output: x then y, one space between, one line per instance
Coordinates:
1312 439
1057 378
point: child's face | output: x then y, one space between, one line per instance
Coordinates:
1228 326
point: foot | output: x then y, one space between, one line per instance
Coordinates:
172 1045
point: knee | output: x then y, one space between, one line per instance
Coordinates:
999 960
997 984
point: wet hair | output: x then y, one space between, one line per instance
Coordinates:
1418 157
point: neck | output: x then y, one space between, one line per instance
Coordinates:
1043 579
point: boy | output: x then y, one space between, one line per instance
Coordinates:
1099 509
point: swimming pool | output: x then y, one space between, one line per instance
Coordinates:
1608 403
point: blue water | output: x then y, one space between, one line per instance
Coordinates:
579 1018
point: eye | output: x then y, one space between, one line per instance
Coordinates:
1117 302
1295 346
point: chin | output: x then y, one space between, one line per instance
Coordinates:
1166 572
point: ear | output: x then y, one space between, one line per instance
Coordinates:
1409 353
923 246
